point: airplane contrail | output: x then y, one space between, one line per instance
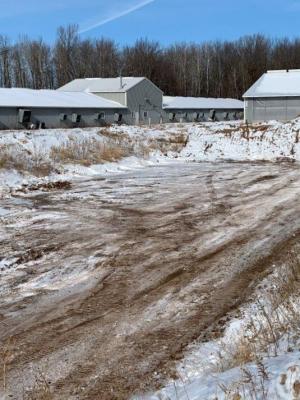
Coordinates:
115 16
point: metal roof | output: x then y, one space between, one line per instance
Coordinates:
100 85
16 97
197 103
280 83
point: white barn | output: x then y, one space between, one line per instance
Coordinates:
275 96
190 109
23 108
141 97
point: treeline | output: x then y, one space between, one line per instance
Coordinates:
212 69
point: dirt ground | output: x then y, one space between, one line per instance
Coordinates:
105 283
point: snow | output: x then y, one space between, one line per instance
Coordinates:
52 98
235 141
97 85
3 211
276 83
44 140
11 177
127 164
206 142
39 143
190 103
283 379
276 374
200 379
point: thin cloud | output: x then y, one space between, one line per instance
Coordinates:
293 5
129 10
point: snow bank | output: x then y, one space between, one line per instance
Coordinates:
200 142
38 144
236 141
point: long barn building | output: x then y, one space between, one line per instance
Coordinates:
196 109
24 108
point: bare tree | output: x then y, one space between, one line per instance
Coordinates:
67 54
212 69
142 59
5 66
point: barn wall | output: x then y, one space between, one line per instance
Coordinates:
266 109
8 118
293 108
203 115
51 117
118 97
145 101
249 117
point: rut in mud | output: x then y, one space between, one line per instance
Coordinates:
104 284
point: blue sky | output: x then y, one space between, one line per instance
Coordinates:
167 21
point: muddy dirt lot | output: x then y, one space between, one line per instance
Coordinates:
105 283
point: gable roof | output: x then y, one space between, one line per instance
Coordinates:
276 84
195 103
107 85
16 97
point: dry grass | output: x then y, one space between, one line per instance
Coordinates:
33 162
6 357
85 152
277 317
246 130
251 386
273 328
88 152
172 142
4 159
114 146
115 136
168 142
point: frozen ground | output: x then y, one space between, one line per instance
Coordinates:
111 285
